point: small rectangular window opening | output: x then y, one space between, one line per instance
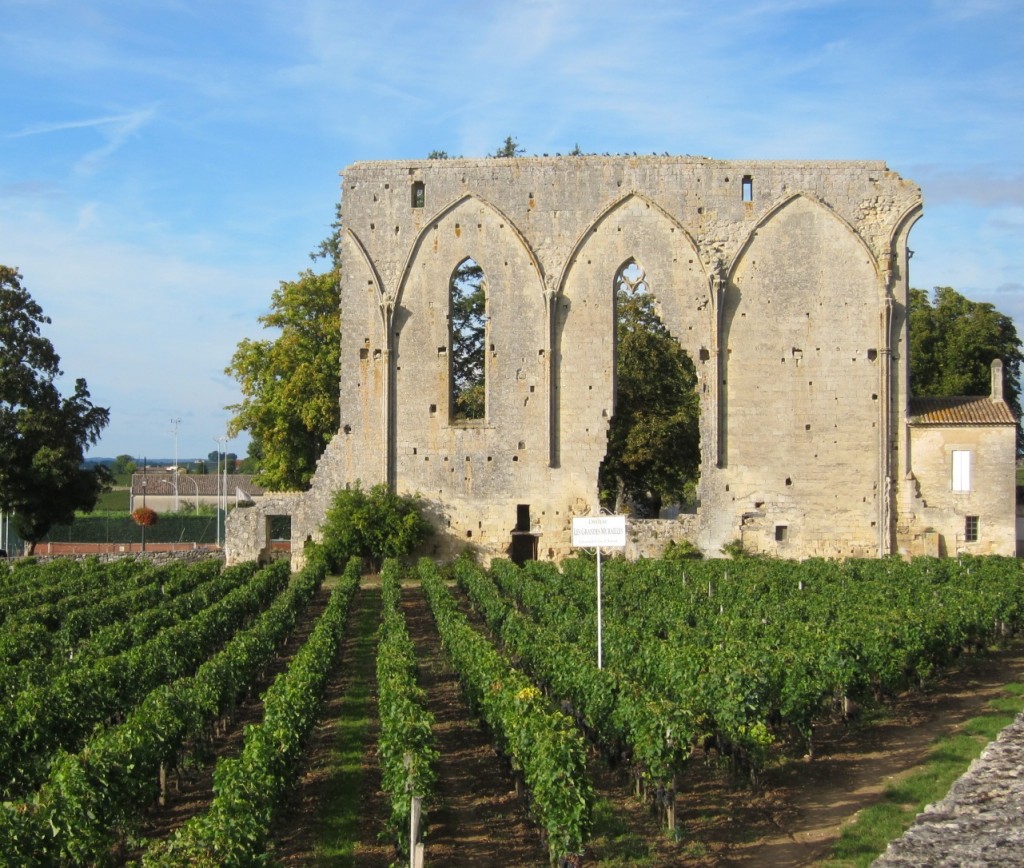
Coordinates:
781 532
748 188
418 194
523 517
971 528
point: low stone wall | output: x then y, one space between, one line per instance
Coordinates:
157 557
979 820
647 538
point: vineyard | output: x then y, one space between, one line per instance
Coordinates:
119 680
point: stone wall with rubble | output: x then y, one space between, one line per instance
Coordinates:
979 820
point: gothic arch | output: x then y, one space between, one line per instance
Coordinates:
632 227
602 215
431 224
780 206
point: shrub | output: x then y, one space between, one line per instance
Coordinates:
373 525
684 550
735 549
144 516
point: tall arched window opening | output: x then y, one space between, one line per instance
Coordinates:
653 457
467 323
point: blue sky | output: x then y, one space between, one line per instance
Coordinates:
164 164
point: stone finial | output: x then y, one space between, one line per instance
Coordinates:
997 379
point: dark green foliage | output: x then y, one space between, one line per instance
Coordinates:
509 148
468 338
953 342
43 436
653 452
684 550
373 525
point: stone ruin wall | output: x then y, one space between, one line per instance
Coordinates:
785 282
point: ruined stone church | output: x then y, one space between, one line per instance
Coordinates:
786 283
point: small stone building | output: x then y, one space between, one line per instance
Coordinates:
786 283
962 494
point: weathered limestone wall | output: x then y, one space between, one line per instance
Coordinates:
246 535
939 509
784 282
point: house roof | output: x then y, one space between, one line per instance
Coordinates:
161 482
960 410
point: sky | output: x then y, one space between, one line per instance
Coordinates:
165 164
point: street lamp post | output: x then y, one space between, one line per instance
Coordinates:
222 443
174 431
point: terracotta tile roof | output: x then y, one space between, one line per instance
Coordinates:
162 482
960 411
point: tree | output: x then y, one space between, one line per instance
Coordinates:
953 342
510 148
290 384
468 335
438 155
43 436
123 464
653 452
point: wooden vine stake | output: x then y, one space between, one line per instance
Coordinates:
416 849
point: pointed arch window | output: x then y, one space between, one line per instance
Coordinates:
653 455
467 327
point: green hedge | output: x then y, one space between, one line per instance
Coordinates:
121 529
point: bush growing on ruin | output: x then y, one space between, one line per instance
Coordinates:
372 525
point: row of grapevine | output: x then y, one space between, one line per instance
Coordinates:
39 720
629 722
30 649
542 744
248 789
33 586
406 748
92 799
752 648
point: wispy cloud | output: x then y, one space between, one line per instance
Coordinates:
116 129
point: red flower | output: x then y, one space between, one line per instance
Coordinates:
144 516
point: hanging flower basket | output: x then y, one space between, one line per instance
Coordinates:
144 516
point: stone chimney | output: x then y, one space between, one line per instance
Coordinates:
997 379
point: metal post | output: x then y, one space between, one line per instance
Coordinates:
225 491
216 478
175 423
600 657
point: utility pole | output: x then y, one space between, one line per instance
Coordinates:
174 431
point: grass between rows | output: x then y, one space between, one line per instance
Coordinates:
866 839
341 807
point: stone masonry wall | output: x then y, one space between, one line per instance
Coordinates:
785 282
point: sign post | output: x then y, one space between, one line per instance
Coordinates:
597 531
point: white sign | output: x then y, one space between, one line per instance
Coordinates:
599 531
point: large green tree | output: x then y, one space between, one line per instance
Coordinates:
43 436
290 383
953 342
653 455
